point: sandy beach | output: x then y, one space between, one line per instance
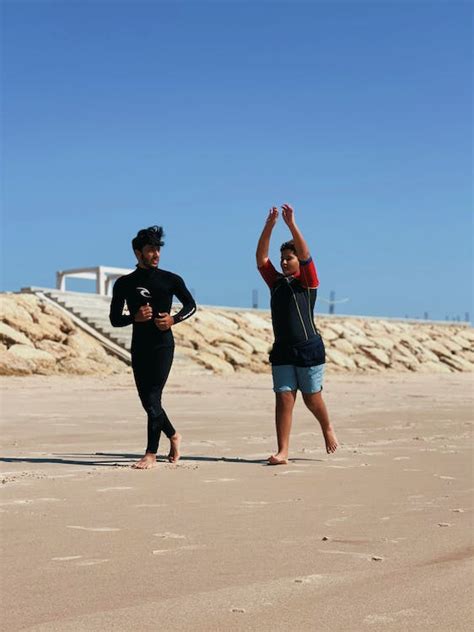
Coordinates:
376 537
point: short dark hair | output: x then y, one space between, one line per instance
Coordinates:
288 245
151 236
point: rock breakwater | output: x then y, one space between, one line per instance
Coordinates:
38 338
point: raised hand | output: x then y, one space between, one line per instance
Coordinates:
272 216
144 313
288 215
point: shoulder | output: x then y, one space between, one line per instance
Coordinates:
123 282
172 277
128 278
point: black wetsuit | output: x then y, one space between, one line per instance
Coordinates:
152 349
297 341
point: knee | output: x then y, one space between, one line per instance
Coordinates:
313 400
285 400
154 407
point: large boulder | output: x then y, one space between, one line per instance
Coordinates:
44 362
215 364
12 364
10 336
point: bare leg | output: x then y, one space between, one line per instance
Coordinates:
284 405
174 454
146 462
315 403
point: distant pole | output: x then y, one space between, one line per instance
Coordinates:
425 315
332 300
466 317
255 299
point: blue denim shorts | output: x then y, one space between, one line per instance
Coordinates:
287 377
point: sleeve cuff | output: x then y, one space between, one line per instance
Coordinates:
305 262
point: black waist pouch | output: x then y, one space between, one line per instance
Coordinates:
309 352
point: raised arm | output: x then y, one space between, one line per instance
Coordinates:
301 246
264 241
308 276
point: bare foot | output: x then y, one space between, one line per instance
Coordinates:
277 459
146 462
331 440
175 442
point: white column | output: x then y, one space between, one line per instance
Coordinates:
100 281
60 281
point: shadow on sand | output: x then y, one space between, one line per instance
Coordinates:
126 460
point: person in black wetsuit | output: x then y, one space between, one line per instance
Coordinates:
148 293
297 356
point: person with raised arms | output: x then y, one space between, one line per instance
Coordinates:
298 355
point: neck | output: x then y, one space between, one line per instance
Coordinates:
142 266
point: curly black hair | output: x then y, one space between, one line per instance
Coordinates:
151 236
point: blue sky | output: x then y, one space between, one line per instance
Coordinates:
200 116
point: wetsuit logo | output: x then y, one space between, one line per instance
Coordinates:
144 292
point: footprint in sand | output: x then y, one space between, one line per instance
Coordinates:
170 536
92 562
190 547
114 489
309 579
377 619
261 503
94 529
340 467
28 501
220 480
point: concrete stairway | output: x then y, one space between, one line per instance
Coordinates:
93 309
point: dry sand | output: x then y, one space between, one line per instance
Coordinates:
376 537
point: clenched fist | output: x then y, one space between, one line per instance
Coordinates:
144 313
164 321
